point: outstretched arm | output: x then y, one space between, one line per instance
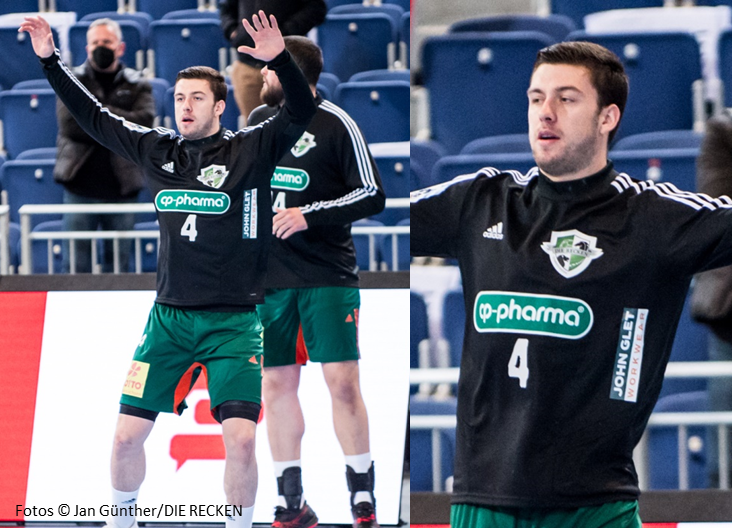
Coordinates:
40 34
268 41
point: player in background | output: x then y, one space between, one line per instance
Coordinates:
324 183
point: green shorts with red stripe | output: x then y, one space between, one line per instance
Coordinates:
318 324
179 344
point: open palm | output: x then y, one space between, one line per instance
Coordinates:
268 41
40 33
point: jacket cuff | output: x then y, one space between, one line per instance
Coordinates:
51 60
282 59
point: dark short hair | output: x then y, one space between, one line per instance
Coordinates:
215 79
607 74
307 55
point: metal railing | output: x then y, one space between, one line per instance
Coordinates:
682 420
4 239
27 235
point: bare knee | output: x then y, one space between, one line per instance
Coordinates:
131 433
342 380
239 438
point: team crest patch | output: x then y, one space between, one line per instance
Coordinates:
571 252
213 176
304 144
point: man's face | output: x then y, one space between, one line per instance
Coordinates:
196 114
103 36
272 93
567 129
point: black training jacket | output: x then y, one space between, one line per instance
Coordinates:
212 195
573 291
331 175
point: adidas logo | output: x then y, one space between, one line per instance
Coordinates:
168 167
495 232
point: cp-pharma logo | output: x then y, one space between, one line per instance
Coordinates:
538 314
290 179
192 201
571 252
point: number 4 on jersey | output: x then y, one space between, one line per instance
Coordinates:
518 366
189 228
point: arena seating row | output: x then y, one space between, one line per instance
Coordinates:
354 38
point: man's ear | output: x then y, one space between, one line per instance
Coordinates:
219 108
609 118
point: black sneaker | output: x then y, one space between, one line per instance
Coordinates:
364 515
302 518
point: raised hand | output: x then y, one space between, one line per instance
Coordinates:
40 34
268 41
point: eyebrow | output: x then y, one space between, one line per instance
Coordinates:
193 93
558 89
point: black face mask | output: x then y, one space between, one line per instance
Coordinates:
103 57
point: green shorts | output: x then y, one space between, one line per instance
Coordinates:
180 344
620 514
318 324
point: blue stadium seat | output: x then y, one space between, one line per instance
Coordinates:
577 10
381 75
690 345
453 324
645 58
403 257
145 197
40 250
84 7
178 44
679 138
380 108
391 10
515 143
417 176
418 331
193 14
335 3
354 43
159 87
230 118
557 27
32 84
452 166
420 444
330 81
132 34
156 9
724 51
30 182
143 19
404 4
18 61
19 6
677 166
148 248
425 153
663 444
394 172
361 244
29 119
37 153
494 71
405 33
